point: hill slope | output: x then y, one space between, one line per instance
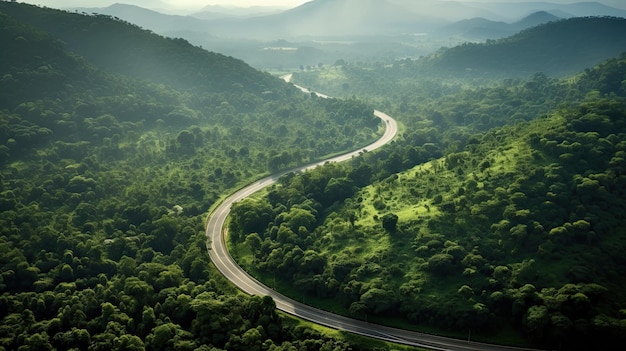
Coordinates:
330 18
519 228
481 29
556 48
105 181
149 19
125 48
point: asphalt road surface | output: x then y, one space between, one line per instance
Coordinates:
230 269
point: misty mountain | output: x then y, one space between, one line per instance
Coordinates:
450 10
481 29
331 18
534 19
365 30
511 11
156 5
477 28
149 19
349 18
358 18
212 12
555 48
124 48
505 11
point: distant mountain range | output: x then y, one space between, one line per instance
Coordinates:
331 18
353 18
507 11
479 28
324 31
213 12
149 19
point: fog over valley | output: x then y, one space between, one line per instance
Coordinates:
274 37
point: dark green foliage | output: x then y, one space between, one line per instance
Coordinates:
105 181
124 48
390 221
559 48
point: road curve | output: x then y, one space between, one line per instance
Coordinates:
224 262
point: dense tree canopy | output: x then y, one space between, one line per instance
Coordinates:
519 226
105 182
498 206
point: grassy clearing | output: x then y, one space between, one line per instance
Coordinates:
470 204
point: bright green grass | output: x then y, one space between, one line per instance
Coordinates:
244 257
411 196
332 75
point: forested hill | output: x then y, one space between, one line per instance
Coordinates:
515 229
106 180
121 47
557 48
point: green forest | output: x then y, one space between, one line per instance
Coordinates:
108 169
499 211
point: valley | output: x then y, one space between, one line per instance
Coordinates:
487 214
405 29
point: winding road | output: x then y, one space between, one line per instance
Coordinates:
224 262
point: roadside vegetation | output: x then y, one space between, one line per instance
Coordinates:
498 212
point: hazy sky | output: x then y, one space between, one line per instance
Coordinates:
180 4
242 3
168 3
294 3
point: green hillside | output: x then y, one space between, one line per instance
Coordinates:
122 47
557 48
106 180
515 235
